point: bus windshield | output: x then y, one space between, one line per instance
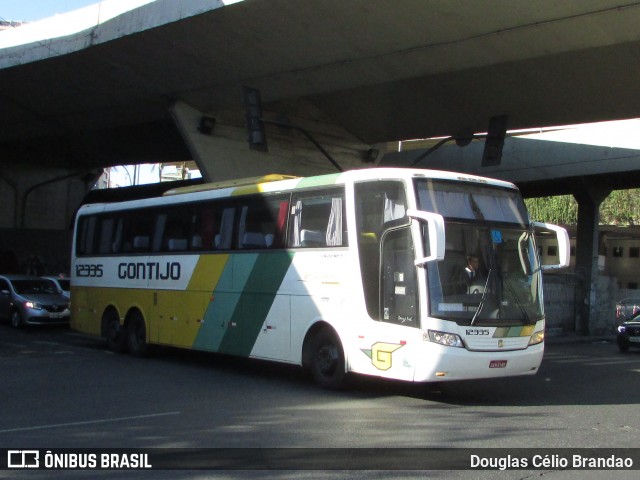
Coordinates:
490 275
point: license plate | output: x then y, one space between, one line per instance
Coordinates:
497 364
55 315
634 339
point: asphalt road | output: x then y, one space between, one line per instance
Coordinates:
59 389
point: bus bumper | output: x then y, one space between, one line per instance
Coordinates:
440 363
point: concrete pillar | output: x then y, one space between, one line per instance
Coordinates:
223 153
589 196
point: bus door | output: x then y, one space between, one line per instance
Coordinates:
398 285
389 280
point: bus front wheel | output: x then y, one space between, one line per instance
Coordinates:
327 360
137 335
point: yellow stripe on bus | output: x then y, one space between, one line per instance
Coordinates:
207 273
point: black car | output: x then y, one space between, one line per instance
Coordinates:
629 334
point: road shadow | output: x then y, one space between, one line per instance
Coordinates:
571 374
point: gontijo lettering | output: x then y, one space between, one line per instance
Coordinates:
149 271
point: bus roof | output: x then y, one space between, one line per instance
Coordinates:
274 177
278 182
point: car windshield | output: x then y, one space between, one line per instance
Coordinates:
25 287
490 274
64 284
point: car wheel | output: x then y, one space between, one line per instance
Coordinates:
16 319
137 336
623 347
327 360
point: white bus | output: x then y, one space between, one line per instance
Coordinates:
361 271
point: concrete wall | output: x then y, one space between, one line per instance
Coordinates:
53 248
37 210
561 294
46 198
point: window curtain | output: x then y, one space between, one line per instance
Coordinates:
226 229
334 227
297 222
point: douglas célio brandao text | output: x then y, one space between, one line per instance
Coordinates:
507 462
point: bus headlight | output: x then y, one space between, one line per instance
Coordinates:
536 338
447 339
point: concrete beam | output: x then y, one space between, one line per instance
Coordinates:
526 160
224 153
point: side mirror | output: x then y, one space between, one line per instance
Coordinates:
436 236
558 236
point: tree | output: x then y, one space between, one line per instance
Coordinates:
621 207
562 210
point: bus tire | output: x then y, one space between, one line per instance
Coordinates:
113 332
327 361
136 333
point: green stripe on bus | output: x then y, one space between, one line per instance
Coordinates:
241 301
224 301
517 331
320 181
255 302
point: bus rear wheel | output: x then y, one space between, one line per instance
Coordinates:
137 335
114 334
327 360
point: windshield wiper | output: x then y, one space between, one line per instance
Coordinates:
518 302
484 295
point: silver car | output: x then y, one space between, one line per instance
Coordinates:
63 283
26 300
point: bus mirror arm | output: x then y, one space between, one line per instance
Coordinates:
564 245
436 236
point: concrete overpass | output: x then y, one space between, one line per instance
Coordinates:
127 87
132 86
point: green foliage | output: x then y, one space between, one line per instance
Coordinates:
562 210
622 208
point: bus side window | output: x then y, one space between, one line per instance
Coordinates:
317 220
86 235
135 228
107 232
204 227
262 220
177 228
